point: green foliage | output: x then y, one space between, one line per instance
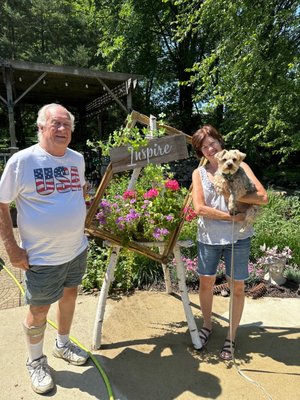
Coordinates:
12 205
57 31
132 270
278 225
231 63
248 79
132 136
146 272
1 168
292 273
97 260
124 271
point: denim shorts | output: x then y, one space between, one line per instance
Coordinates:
45 283
209 257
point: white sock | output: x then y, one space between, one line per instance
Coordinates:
35 351
62 340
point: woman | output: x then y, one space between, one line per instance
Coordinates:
215 234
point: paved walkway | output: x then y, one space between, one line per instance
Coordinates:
146 350
10 295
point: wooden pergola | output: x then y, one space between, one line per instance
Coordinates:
88 91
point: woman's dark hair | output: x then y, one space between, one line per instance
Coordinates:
202 133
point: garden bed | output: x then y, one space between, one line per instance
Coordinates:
263 289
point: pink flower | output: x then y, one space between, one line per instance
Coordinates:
129 194
189 214
150 194
172 185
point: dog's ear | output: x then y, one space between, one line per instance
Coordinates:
239 155
220 154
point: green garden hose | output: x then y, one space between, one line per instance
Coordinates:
74 340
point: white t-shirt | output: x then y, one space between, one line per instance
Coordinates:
50 203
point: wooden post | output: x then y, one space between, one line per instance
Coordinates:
185 299
182 287
103 296
167 276
135 174
10 108
129 84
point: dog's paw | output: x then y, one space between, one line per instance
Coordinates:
251 214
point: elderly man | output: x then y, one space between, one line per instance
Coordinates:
47 183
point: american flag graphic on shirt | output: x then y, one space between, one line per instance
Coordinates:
76 185
64 184
61 178
44 180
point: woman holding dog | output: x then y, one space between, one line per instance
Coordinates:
218 230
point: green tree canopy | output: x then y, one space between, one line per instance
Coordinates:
233 63
248 79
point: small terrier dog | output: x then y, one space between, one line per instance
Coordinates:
231 181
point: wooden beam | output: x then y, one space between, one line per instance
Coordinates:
30 87
113 95
3 99
10 107
68 70
103 185
143 119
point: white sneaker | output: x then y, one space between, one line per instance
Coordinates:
72 353
39 371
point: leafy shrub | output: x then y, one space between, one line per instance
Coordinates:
132 270
292 273
146 272
97 259
278 225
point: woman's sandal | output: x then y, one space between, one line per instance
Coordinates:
204 335
227 350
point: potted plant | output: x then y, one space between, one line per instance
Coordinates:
149 212
274 262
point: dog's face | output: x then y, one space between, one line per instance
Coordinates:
229 161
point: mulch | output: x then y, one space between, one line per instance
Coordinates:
263 289
289 289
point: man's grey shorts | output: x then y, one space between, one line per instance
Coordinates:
45 283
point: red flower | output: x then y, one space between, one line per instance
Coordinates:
189 214
172 184
129 194
151 193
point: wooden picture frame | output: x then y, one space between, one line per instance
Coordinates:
138 247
